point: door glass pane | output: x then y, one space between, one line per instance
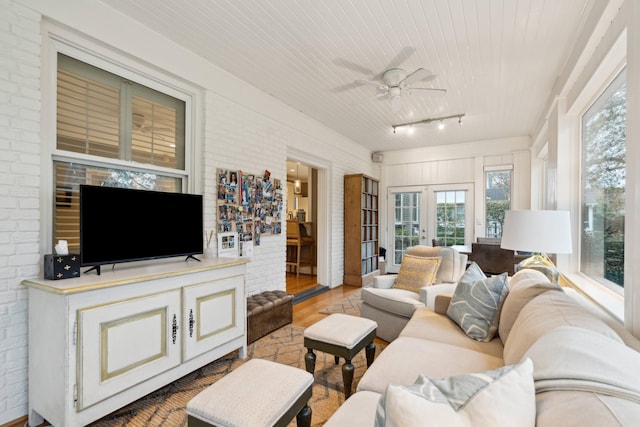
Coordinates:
450 217
406 223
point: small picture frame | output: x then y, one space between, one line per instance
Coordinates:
228 245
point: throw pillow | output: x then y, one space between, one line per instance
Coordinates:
473 273
417 272
475 306
502 397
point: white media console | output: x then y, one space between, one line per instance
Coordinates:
97 343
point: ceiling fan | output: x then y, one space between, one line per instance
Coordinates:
396 82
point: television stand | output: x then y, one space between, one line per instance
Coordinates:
187 258
181 316
95 267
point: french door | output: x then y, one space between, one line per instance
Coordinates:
418 214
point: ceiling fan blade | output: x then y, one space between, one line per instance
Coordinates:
345 87
352 66
428 88
402 56
418 75
378 85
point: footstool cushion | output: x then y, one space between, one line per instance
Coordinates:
342 330
267 312
258 393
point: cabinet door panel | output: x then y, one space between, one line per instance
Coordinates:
214 313
124 343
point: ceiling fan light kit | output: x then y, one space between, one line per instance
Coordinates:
434 119
396 83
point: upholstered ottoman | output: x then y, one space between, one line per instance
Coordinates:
267 312
259 393
343 336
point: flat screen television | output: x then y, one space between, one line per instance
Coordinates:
122 225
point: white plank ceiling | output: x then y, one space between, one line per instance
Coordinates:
498 59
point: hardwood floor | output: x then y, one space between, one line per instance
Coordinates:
300 283
306 313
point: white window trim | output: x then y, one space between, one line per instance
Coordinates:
609 300
498 168
58 39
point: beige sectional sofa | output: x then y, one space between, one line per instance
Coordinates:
586 367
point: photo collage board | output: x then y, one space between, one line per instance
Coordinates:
249 205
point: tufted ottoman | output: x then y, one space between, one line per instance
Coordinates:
259 393
267 312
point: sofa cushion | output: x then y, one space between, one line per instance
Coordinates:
453 262
453 265
359 410
416 272
475 306
544 313
463 400
397 301
570 357
405 358
428 325
582 408
525 285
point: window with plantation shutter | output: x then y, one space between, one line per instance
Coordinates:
101 114
88 116
112 132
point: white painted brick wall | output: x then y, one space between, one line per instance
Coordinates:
239 138
235 137
19 195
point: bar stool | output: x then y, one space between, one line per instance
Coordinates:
296 241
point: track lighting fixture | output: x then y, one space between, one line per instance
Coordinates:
435 119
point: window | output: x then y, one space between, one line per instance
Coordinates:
111 131
497 200
450 217
603 185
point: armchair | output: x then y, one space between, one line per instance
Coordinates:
392 308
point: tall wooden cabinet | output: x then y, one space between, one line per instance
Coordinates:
360 229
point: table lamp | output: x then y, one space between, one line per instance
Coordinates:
540 232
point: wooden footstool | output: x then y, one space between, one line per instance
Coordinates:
259 393
343 336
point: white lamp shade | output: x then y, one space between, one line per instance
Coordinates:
537 231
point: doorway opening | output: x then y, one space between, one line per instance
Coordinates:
302 230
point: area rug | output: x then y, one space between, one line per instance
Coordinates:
167 406
349 305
